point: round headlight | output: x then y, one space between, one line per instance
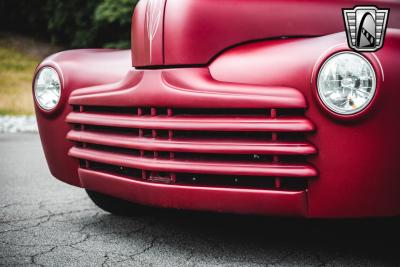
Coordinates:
346 83
47 88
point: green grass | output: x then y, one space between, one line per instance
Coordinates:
19 57
16 71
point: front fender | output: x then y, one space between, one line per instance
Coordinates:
358 157
77 69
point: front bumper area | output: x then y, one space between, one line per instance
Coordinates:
230 200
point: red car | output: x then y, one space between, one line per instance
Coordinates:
239 106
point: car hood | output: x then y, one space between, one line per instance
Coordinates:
194 32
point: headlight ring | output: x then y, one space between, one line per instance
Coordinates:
47 88
346 83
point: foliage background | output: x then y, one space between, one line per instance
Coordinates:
70 23
30 30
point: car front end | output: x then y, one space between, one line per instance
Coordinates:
220 107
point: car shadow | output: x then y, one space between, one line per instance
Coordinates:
374 240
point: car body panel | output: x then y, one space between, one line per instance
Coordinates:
78 69
195 32
228 200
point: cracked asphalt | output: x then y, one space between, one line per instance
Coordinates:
44 222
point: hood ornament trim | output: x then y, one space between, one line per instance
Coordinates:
154 11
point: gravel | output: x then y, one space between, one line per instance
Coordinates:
18 124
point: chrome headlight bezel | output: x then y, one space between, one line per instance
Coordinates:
371 94
54 94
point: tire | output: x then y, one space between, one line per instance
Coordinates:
114 205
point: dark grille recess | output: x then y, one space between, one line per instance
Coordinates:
236 148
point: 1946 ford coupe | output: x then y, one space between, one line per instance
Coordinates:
239 106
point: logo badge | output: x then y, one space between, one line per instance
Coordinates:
365 27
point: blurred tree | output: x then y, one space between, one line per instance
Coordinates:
114 18
25 16
71 23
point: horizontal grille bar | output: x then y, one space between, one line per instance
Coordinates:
204 123
201 167
195 146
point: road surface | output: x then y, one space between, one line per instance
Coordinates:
47 223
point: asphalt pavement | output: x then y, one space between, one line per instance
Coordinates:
45 222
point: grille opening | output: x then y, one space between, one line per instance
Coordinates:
163 155
294 159
245 158
78 144
117 150
290 112
294 184
223 111
76 108
291 136
77 127
111 110
223 135
82 163
117 130
224 180
248 182
148 154
124 171
163 174
199 180
162 111
162 134
147 133
145 111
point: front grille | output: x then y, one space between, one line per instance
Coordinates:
234 148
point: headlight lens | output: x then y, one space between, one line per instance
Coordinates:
346 83
47 88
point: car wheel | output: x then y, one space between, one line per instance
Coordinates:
114 205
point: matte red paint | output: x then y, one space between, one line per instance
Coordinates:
191 87
80 68
357 161
147 52
245 201
196 31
